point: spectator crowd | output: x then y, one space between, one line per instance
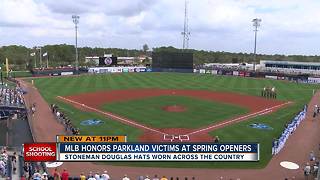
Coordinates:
11 96
3 162
64 175
33 170
311 168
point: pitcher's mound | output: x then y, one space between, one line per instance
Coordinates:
174 108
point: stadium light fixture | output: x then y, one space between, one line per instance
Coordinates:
75 19
256 24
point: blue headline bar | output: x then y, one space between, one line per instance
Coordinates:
157 148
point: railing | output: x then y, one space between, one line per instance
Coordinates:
318 176
21 162
30 118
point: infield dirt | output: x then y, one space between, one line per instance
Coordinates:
93 102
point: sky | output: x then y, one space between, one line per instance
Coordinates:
287 27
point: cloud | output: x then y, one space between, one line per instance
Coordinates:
288 26
18 13
111 7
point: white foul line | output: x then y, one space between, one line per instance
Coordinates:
112 116
255 114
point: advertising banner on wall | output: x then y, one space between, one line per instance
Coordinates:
235 73
131 69
117 69
66 73
125 70
281 78
271 77
202 71
313 80
113 70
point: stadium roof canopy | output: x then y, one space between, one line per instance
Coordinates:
290 63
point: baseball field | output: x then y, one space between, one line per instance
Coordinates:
155 106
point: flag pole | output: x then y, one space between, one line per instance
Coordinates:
47 60
7 66
40 58
35 61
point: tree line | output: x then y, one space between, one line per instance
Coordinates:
201 56
20 56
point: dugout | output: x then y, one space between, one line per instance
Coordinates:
172 62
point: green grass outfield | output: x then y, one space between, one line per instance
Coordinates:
199 113
300 94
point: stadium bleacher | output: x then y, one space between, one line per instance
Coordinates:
11 102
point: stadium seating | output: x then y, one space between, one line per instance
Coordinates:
11 97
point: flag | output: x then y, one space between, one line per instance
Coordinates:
33 54
7 65
45 54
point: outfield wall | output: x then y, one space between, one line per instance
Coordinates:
270 75
53 72
101 70
178 70
301 78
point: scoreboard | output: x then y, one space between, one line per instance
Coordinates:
116 148
108 61
174 60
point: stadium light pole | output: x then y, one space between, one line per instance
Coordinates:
256 24
75 19
186 32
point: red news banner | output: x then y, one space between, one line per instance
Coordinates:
48 151
40 152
